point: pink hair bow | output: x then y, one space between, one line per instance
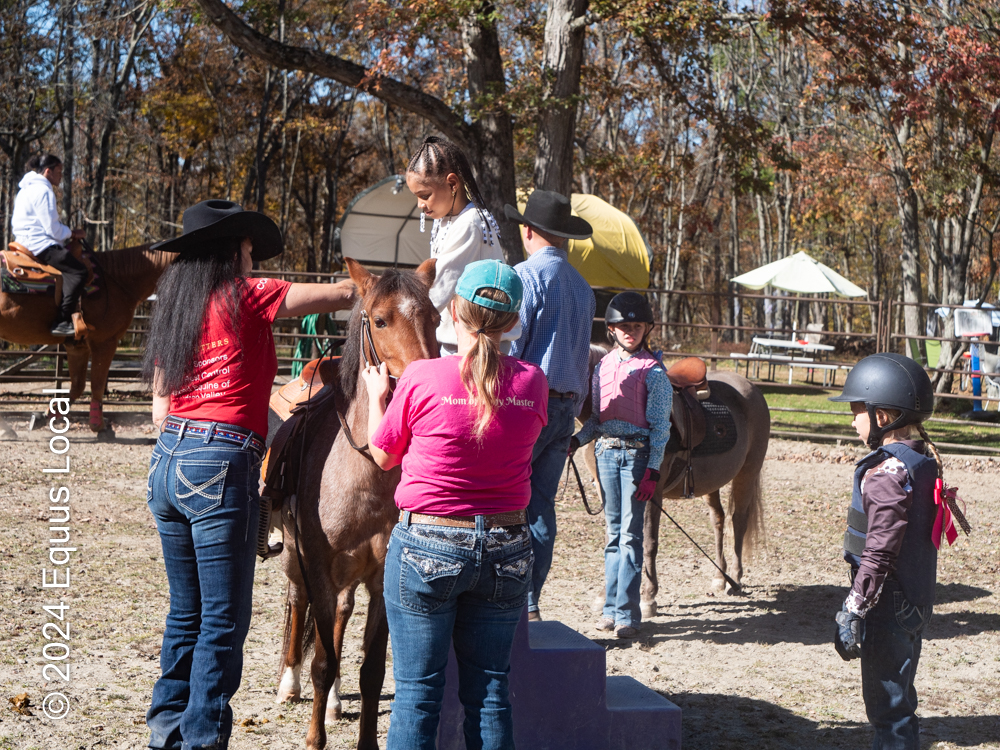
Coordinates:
946 498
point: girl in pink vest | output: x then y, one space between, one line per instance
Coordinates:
632 397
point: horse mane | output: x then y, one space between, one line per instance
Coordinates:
391 283
130 261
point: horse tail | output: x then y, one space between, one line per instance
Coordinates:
309 636
746 508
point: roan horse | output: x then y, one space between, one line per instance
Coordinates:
337 527
128 277
740 463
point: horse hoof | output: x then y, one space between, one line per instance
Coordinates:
333 715
719 584
734 590
289 689
648 609
106 435
598 604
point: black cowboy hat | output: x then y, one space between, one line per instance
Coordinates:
551 213
215 219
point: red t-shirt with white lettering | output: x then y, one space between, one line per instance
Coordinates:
430 421
232 385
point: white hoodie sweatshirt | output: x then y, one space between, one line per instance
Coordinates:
35 220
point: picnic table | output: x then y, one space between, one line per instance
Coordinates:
777 352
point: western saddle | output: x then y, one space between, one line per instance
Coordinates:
689 379
23 266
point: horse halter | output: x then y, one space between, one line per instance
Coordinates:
368 343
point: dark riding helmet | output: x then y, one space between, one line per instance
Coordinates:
628 307
889 381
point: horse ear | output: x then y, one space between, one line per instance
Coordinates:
426 271
360 275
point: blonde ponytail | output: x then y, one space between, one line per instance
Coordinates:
482 365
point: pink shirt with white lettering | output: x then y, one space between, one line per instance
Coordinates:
446 472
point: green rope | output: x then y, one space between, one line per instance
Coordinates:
304 347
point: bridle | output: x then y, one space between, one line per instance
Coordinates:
367 344
366 339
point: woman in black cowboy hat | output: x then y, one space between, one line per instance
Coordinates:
210 359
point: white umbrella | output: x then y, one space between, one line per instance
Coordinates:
800 273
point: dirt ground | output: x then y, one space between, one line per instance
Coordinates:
754 670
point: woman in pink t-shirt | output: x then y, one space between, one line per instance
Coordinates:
458 564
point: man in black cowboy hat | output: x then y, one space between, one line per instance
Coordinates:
556 317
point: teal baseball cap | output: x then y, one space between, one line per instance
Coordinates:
491 274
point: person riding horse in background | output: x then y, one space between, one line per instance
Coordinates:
464 231
632 398
888 542
210 359
556 320
458 565
36 225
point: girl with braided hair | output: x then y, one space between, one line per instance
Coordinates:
463 230
889 542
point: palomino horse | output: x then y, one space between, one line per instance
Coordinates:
338 526
128 277
738 460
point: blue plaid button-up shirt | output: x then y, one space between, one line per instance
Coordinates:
556 317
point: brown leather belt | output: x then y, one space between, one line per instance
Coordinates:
557 394
510 518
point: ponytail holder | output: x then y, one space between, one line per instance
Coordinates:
480 330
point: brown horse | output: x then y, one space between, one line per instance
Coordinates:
740 465
128 277
338 525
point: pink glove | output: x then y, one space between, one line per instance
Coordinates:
647 486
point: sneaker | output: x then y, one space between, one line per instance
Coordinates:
62 328
626 631
605 624
534 616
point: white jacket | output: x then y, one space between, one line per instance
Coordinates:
464 241
35 220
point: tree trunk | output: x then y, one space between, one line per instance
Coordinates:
562 58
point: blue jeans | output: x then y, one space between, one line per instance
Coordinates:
548 459
448 585
620 470
890 651
203 494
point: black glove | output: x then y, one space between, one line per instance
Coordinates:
574 446
848 637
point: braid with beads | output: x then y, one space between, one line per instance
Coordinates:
437 157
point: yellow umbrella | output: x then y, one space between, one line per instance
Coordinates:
616 255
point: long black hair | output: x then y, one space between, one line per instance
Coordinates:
201 276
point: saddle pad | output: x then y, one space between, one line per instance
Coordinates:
13 284
720 431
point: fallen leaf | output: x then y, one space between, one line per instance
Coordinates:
21 704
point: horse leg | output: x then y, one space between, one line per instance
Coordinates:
373 667
296 604
345 607
650 547
101 355
77 356
719 524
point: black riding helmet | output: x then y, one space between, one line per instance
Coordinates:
889 381
627 307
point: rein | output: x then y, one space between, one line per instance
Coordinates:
583 495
